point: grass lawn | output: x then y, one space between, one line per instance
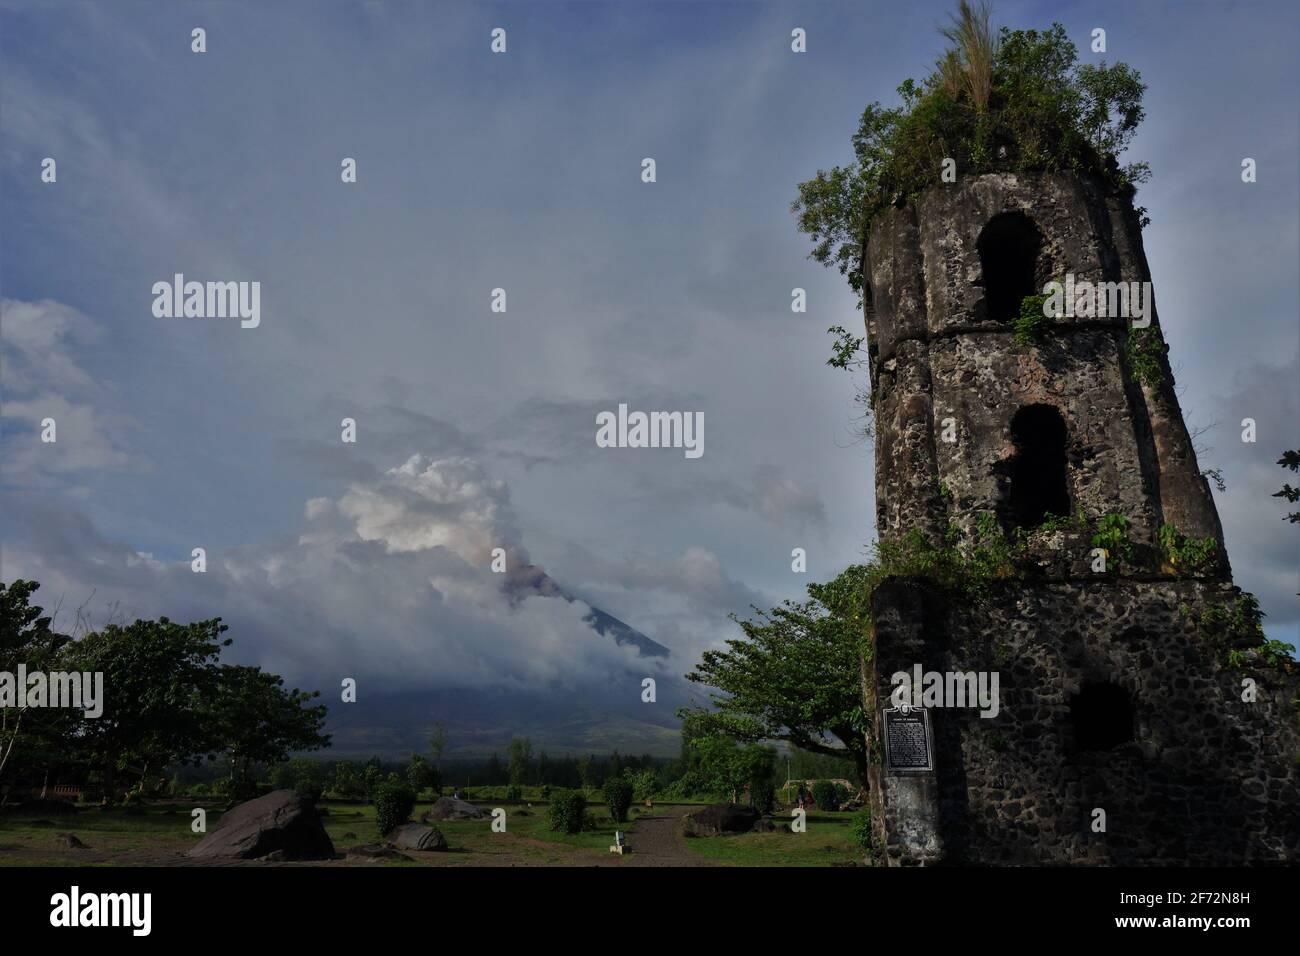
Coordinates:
112 836
161 832
526 828
827 841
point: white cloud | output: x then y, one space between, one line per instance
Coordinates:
44 379
449 503
395 592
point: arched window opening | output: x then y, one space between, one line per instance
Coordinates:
1008 247
1102 717
1038 474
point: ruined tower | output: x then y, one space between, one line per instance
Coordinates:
1127 732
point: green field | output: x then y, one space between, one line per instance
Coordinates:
826 842
160 834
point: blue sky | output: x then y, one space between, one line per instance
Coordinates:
521 171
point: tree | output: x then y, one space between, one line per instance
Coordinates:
161 684
256 720
521 755
585 775
731 768
301 774
437 743
26 638
644 782
795 675
1016 101
1291 460
347 782
421 776
371 778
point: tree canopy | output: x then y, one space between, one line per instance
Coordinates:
1012 100
167 701
795 675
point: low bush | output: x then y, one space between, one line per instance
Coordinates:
762 796
393 805
567 810
860 826
825 796
618 797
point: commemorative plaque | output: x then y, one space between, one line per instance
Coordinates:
909 747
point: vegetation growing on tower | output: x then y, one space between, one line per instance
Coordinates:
1013 100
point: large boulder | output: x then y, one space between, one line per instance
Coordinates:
720 818
281 821
449 808
417 836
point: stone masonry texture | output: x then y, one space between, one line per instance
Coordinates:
1207 778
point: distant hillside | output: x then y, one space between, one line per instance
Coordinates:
481 722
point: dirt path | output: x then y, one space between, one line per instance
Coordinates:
658 841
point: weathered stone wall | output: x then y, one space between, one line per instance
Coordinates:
934 353
981 380
1207 779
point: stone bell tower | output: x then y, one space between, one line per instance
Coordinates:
1126 731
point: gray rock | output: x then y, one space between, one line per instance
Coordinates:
280 821
417 836
720 818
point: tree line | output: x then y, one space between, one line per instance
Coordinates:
169 701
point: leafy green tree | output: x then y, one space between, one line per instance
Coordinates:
1016 101
302 774
644 782
26 637
796 674
731 768
347 781
521 756
257 721
371 778
161 685
1291 460
437 743
421 776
